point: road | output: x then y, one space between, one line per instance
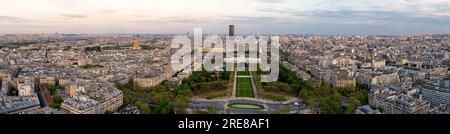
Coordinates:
222 104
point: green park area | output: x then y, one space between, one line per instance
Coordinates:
88 66
244 86
245 106
169 97
315 93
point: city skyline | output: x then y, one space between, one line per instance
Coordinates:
386 17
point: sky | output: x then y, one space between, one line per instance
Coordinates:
250 16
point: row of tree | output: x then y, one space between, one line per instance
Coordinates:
155 100
288 84
91 49
334 100
329 99
169 97
208 83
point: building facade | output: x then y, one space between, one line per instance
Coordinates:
393 102
80 104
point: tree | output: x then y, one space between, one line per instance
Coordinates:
129 85
128 99
55 106
90 49
213 109
308 97
352 105
303 94
181 101
284 110
184 90
159 97
204 87
347 90
143 107
57 99
336 96
160 88
134 85
53 88
67 48
147 47
169 84
324 88
330 107
311 100
87 66
164 108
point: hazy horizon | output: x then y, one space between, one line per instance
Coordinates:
1 34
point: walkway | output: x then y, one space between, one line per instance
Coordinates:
255 91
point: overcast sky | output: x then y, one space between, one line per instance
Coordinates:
249 16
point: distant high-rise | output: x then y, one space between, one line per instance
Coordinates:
231 30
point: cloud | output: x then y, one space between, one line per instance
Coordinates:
375 16
257 15
173 20
274 10
250 20
11 19
74 16
270 1
104 11
66 3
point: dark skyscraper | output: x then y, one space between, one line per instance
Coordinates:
231 30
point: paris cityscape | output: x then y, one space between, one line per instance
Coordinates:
131 74
332 59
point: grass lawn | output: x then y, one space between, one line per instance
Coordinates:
244 85
245 106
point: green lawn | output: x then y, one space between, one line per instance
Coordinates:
243 73
245 106
244 85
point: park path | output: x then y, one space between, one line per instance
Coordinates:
233 95
255 92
